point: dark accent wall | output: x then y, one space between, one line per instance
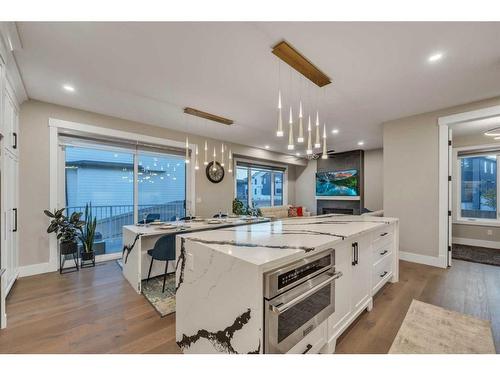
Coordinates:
341 161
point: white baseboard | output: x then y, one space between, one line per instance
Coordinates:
474 242
35 269
423 259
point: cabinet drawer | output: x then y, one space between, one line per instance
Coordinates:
382 238
381 252
313 342
382 271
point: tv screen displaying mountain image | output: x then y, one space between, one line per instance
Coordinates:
337 183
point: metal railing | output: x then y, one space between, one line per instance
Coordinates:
111 219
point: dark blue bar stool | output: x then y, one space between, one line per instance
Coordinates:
164 250
152 217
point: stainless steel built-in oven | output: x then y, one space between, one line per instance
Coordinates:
297 298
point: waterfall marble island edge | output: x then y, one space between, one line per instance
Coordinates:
222 277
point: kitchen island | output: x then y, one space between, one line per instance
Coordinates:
290 286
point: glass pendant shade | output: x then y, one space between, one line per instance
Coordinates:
324 156
291 145
196 165
205 162
309 150
214 168
222 155
317 143
230 161
279 131
300 138
187 151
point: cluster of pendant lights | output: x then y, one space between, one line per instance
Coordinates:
300 138
214 157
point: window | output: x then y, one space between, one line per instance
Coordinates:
104 176
265 183
478 187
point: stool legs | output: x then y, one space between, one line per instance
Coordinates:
165 275
150 267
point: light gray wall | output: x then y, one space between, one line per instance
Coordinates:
34 171
374 179
305 186
411 185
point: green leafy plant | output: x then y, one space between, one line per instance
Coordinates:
490 196
239 207
66 228
253 211
87 231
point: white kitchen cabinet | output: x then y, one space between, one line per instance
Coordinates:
10 122
10 238
343 260
361 275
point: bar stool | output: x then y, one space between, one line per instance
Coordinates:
164 250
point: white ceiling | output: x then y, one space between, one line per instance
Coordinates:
476 127
148 72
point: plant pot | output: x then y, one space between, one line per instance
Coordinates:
87 259
68 248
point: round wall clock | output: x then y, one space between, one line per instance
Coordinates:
216 174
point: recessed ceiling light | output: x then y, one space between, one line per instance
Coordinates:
435 57
297 153
335 131
496 138
69 88
361 143
267 147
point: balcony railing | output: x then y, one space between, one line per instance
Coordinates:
111 219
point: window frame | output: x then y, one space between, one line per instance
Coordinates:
457 217
263 165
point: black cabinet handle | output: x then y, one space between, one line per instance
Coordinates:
15 220
353 254
383 274
308 347
14 146
384 252
357 253
384 234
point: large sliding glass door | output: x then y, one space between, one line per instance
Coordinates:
104 177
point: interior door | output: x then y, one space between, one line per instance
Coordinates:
10 213
450 193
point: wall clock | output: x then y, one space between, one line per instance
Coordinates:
216 174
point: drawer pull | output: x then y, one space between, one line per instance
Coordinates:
384 252
308 347
383 274
384 234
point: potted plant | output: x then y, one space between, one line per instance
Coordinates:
66 228
87 235
239 207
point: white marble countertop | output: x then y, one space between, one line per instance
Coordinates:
270 243
190 226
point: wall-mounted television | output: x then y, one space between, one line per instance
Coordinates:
337 183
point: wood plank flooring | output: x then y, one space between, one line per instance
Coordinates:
96 311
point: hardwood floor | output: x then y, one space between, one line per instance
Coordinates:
96 311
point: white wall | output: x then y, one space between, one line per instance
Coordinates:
374 179
305 186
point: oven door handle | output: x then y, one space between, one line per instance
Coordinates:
284 307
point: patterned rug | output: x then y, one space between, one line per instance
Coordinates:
476 254
164 303
429 329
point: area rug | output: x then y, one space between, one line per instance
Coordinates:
164 303
429 329
476 254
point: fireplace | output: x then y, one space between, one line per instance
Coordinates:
333 210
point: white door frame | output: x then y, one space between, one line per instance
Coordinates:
444 124
57 126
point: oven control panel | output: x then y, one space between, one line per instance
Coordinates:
301 272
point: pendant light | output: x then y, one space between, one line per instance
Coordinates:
222 155
291 145
230 161
324 156
214 168
196 165
309 150
187 151
300 138
317 143
205 162
279 132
